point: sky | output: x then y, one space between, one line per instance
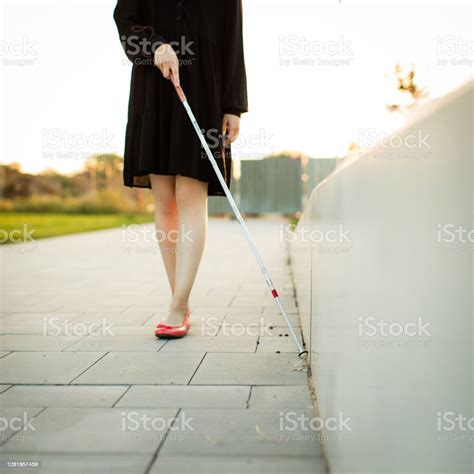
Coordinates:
319 74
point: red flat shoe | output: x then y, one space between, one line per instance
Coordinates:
160 324
164 331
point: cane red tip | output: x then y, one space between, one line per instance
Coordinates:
274 293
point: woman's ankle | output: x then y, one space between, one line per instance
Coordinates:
179 306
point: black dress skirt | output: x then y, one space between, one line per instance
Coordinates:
207 37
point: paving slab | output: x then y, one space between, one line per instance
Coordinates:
260 369
118 343
242 432
115 318
216 299
93 307
142 368
94 430
266 301
259 292
280 397
62 395
213 344
45 367
185 396
275 319
277 343
274 310
243 464
36 317
22 308
24 342
132 330
223 310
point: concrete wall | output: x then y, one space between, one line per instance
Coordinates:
386 298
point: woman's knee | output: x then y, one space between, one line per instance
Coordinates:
190 193
166 205
164 195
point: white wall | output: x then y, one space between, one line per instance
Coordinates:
396 270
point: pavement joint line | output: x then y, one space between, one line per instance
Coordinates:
6 390
121 396
247 403
148 319
220 326
161 347
85 370
231 301
197 368
157 451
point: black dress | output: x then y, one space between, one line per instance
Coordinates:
207 37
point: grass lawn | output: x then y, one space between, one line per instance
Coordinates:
43 225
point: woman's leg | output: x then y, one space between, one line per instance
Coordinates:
191 197
166 221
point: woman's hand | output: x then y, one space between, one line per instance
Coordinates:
230 128
167 62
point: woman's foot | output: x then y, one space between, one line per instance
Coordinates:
175 316
173 331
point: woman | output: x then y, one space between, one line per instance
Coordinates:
198 44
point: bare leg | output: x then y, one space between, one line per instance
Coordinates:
166 221
191 197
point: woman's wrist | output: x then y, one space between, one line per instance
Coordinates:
232 111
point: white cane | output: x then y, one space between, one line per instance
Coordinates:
253 247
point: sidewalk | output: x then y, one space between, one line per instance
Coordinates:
103 402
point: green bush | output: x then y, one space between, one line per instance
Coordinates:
102 202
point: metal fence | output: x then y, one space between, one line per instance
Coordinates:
273 185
